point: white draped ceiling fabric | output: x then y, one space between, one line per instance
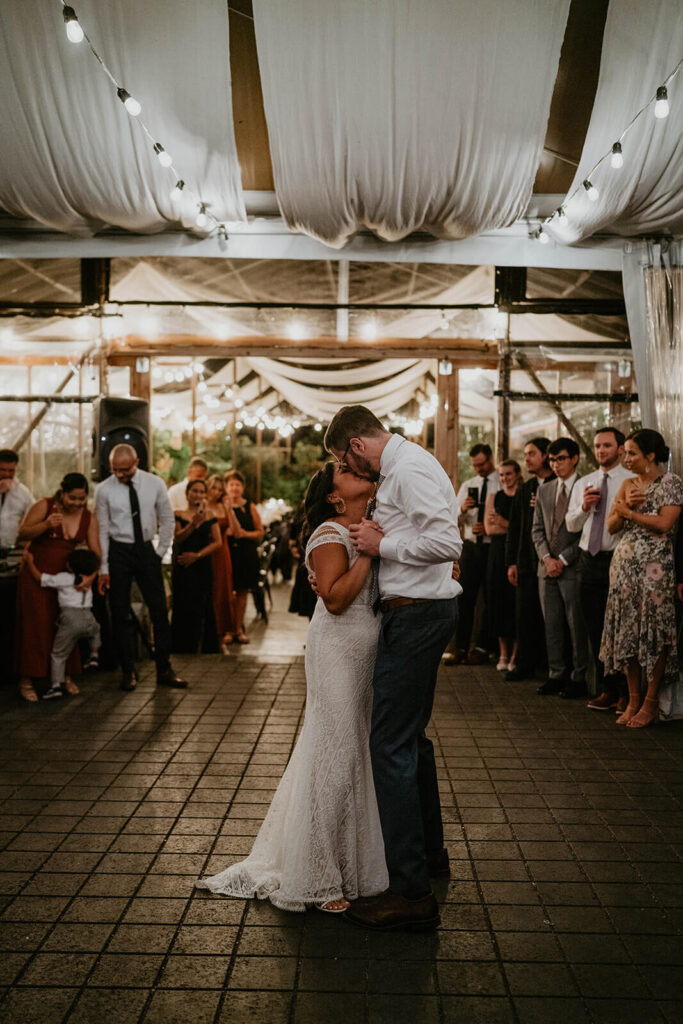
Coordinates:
402 115
642 44
72 158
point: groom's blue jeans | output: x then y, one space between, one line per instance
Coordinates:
411 641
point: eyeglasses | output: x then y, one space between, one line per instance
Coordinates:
558 458
342 461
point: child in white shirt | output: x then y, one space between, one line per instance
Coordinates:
76 620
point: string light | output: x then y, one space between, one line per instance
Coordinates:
662 103
615 154
74 32
201 218
133 106
616 160
591 191
165 159
177 191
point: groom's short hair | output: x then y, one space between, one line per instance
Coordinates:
351 421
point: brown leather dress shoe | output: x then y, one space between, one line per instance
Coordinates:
476 657
169 678
453 657
392 912
604 702
129 681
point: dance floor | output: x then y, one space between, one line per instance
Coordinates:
565 832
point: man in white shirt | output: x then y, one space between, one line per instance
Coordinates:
471 500
15 499
177 494
557 549
131 506
589 507
417 544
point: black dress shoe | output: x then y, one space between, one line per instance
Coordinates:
392 912
437 864
129 680
551 686
574 690
169 678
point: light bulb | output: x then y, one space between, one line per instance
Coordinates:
74 32
591 191
165 159
617 158
200 220
129 102
562 218
543 236
177 191
662 104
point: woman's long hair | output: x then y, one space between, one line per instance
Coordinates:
317 509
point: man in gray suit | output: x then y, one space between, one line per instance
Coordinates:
558 587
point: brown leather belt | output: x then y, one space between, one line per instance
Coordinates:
401 602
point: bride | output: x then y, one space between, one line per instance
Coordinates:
321 843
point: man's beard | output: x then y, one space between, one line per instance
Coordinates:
362 467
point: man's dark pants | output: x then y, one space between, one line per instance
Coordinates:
411 641
473 562
127 563
593 574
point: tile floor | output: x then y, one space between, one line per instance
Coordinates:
565 832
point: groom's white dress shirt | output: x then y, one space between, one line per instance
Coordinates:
416 508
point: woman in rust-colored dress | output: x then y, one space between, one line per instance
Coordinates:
223 598
53 527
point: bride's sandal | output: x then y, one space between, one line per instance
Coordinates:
27 692
333 906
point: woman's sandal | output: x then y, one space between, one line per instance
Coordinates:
242 638
71 687
333 906
27 692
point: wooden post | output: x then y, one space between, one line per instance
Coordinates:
620 412
140 386
234 442
544 397
503 403
103 368
447 423
259 441
194 414
80 461
29 437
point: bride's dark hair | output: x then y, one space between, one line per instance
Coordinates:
317 509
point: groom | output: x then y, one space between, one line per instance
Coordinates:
416 510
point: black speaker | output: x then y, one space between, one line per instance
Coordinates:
119 421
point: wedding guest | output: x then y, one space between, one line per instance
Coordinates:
177 493
500 594
588 509
639 637
221 565
522 565
678 555
197 539
244 533
471 499
15 498
76 620
557 551
54 528
132 505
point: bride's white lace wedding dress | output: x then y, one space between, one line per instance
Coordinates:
321 838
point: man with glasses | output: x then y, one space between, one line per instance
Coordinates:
558 551
131 507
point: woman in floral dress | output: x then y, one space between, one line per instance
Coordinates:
639 636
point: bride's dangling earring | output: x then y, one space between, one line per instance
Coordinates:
340 506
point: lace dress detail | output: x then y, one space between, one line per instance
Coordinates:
321 838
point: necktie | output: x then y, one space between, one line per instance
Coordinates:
480 507
558 519
598 524
135 513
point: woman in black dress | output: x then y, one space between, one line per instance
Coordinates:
197 537
245 531
500 592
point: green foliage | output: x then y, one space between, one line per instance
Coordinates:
469 436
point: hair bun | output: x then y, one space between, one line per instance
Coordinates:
663 454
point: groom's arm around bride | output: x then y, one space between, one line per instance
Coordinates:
416 510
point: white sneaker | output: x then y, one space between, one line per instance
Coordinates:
54 691
502 666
